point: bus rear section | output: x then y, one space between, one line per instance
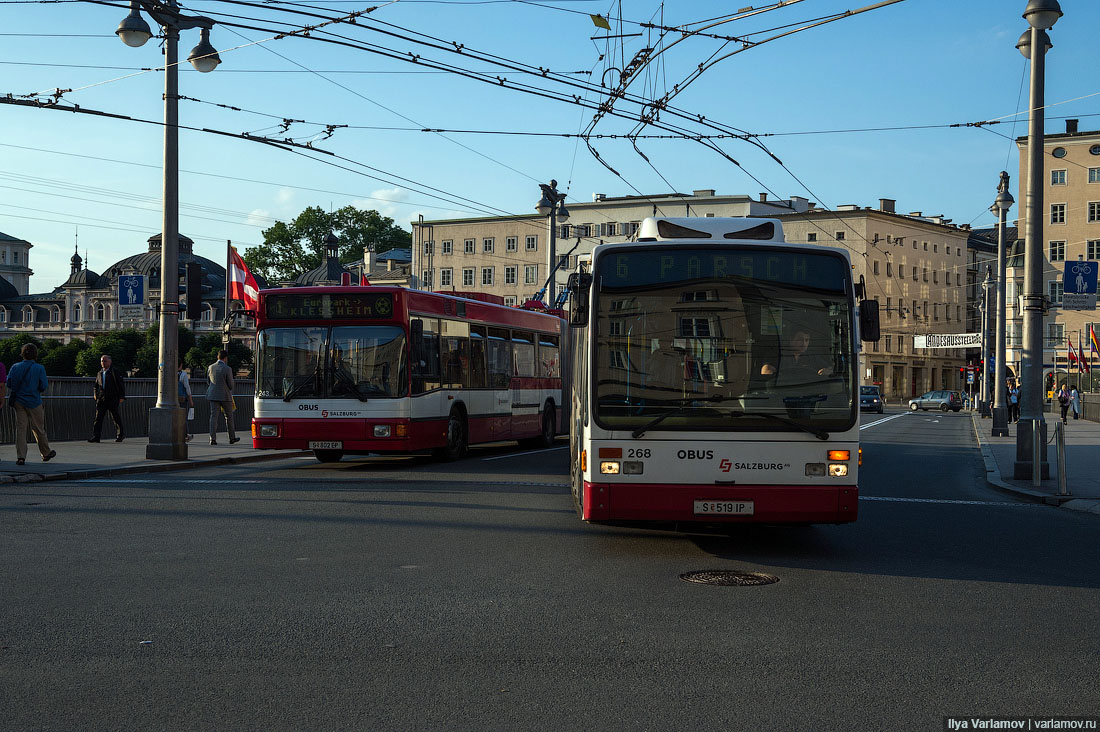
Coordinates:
714 378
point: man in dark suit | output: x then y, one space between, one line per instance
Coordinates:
109 393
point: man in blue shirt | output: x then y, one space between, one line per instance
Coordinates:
26 383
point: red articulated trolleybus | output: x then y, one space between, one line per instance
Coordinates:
356 370
715 376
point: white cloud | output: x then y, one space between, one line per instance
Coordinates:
284 196
259 217
386 201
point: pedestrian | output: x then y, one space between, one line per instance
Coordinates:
1075 401
109 392
187 402
27 382
219 395
1063 401
1013 403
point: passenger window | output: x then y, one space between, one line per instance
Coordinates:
425 354
477 357
500 358
523 350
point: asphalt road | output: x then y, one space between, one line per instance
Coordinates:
402 594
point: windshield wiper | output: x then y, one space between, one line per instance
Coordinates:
686 403
298 388
347 381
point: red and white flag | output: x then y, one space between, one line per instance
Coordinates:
242 285
363 281
1081 365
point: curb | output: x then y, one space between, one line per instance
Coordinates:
993 479
152 468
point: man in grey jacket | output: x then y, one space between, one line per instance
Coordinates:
220 396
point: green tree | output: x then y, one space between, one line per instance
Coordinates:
10 348
147 357
61 360
205 352
121 345
291 249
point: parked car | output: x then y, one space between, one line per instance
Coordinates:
942 400
870 398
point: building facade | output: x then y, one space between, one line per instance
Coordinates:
917 267
1071 233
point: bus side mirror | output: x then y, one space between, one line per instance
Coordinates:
579 283
868 320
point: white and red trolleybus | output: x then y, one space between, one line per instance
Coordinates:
388 370
714 377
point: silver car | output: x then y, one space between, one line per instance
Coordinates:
942 400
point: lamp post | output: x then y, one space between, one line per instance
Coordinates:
988 314
552 205
1001 204
1031 436
166 420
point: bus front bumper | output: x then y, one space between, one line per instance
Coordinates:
665 502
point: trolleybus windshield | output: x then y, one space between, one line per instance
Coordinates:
723 340
348 362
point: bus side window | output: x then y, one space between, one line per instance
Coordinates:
523 349
425 354
478 343
500 359
455 353
548 356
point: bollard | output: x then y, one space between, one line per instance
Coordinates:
1036 454
1060 447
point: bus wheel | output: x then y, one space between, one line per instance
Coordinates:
456 439
546 437
328 456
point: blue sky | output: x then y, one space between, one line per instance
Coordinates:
916 63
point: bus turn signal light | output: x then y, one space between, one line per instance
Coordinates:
584 460
835 455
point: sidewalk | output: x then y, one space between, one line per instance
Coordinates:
82 459
1082 463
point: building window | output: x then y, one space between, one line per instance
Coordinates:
888 344
889 270
487 246
1054 289
948 251
812 236
467 276
1094 175
1057 213
1057 251
935 277
511 244
468 246
874 267
4 257
840 236
510 275
1094 211
76 312
15 257
916 273
1056 334
426 278
446 277
958 279
3 315
532 243
958 313
530 274
1057 177
487 275
429 247
510 300
565 231
448 246
925 274
935 248
926 246
1094 248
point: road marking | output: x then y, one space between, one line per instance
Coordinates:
428 478
880 421
1016 504
531 452
166 480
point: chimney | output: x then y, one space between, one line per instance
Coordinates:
703 193
389 264
597 197
763 198
918 214
368 259
1071 126
886 205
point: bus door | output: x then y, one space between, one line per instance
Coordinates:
525 394
427 395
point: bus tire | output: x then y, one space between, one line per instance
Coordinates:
547 431
328 456
456 439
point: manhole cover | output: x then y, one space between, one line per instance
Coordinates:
728 578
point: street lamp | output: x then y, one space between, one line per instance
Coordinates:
988 314
1001 205
166 420
1031 436
552 205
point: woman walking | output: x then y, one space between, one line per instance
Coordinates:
1063 402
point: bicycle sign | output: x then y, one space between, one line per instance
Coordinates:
131 297
1079 286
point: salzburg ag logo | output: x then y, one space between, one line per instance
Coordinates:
324 413
725 465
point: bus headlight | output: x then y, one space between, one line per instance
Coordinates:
609 467
633 467
269 430
815 469
381 430
838 470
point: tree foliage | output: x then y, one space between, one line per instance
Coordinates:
291 249
205 352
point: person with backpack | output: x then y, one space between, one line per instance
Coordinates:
186 401
27 383
1063 402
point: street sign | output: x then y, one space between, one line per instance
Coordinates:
131 297
1079 286
947 340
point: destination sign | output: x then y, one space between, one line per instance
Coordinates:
825 272
295 306
948 340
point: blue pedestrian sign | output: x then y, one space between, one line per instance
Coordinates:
131 297
1079 286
